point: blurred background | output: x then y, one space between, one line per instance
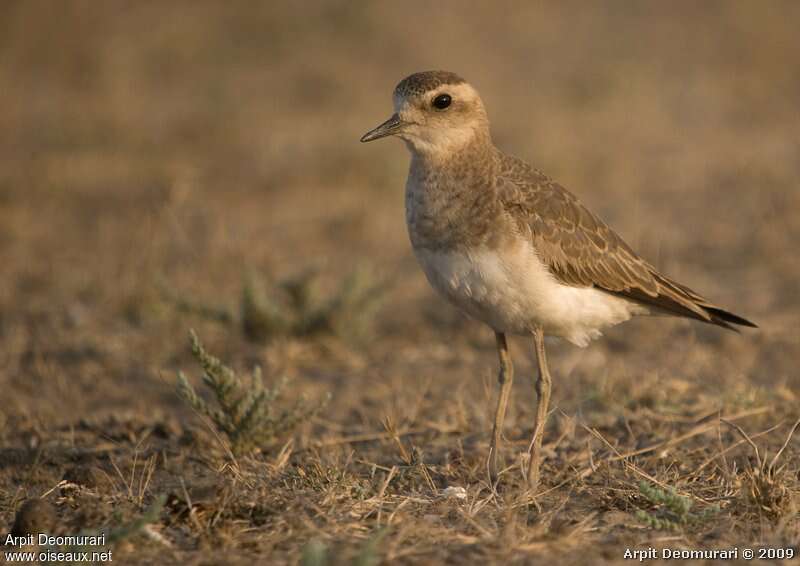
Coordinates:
147 144
188 142
153 154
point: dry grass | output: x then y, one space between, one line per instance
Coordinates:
148 146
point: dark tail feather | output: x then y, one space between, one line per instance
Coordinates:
678 300
717 316
726 319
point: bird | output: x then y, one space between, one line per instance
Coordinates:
514 249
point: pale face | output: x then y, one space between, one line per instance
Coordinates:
437 122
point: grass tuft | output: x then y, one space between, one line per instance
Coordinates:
765 484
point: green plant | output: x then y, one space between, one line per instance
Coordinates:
672 511
294 306
249 413
368 555
315 553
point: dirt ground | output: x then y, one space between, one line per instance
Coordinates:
156 158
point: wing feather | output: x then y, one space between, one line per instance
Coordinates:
581 250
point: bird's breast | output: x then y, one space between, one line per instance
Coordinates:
441 214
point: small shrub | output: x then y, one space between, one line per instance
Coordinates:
261 319
295 307
672 511
248 413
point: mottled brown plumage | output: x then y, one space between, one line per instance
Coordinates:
580 249
512 248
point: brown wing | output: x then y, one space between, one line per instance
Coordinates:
581 250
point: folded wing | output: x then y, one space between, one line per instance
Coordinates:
581 250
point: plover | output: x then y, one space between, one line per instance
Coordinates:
511 247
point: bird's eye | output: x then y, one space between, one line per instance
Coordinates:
442 101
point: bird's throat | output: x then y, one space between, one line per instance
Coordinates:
452 202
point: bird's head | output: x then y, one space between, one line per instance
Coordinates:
435 113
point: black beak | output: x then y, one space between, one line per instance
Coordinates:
389 127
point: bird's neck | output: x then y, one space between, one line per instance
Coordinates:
469 166
451 200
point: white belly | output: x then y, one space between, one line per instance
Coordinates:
515 293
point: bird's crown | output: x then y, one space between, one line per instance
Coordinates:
425 81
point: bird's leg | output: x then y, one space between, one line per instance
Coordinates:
506 377
543 394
